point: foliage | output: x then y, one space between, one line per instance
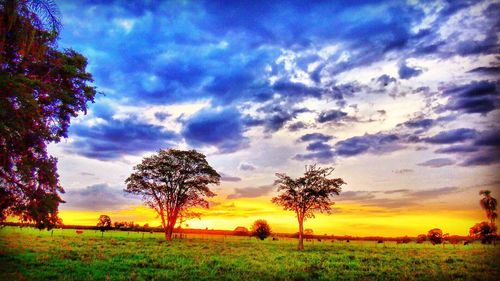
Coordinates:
171 182
261 229
241 231
489 204
308 233
104 223
484 231
435 235
313 192
124 256
421 238
41 89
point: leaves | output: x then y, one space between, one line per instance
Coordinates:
173 181
313 192
41 89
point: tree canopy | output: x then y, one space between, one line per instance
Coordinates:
313 192
489 205
104 223
171 182
41 89
261 229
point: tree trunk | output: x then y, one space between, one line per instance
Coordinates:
165 227
301 234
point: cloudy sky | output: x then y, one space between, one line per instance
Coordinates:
401 97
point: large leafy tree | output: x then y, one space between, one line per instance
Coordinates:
41 88
484 231
313 192
489 205
171 182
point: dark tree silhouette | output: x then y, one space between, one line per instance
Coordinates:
41 88
489 204
104 223
421 238
241 231
435 235
308 233
310 193
484 231
171 182
261 229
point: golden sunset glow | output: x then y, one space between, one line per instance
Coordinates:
346 219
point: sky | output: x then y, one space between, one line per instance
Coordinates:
402 98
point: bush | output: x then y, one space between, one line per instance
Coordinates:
261 229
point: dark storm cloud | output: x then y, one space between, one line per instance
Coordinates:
457 149
144 53
318 145
119 137
475 97
297 126
315 137
488 70
251 192
369 143
452 136
331 115
406 72
97 197
385 80
222 129
419 123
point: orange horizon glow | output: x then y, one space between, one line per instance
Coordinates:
347 219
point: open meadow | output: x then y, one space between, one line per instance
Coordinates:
29 254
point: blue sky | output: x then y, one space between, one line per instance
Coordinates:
399 96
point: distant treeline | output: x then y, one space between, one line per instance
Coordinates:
145 228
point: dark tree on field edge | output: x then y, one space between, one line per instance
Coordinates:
171 182
313 192
104 223
435 235
41 88
484 231
261 229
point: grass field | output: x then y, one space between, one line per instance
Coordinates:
28 254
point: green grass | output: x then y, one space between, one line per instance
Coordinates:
28 254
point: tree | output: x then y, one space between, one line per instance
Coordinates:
261 229
308 233
310 193
241 231
484 231
489 204
104 223
421 238
171 182
41 89
435 235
